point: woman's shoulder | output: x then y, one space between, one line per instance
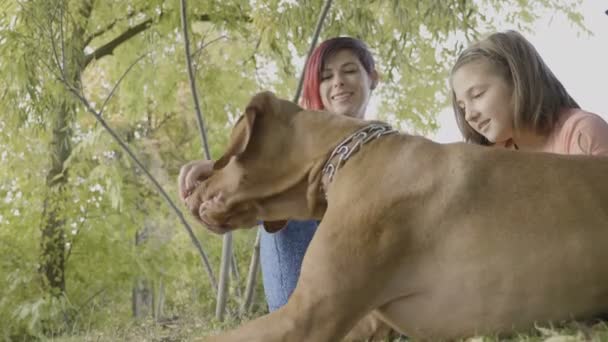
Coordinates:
581 132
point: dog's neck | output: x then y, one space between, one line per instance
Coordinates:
349 146
335 139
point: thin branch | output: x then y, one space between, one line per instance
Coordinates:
197 52
111 25
62 40
196 56
108 48
257 47
254 265
90 299
52 70
222 288
313 43
103 30
164 120
222 293
86 9
207 17
199 117
124 74
237 277
78 229
54 47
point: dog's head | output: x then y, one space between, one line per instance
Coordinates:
270 118
261 175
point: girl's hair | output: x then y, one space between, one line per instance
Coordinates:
311 98
537 94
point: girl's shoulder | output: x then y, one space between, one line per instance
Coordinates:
580 132
577 116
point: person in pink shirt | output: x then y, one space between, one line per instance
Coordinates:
505 95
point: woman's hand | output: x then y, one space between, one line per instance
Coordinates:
210 211
191 175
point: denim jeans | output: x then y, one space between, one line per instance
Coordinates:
281 255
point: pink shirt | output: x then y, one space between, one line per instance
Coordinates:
578 132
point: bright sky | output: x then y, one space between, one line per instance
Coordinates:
579 61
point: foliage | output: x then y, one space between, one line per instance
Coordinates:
240 47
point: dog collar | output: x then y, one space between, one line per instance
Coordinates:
348 147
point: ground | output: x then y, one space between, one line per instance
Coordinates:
187 328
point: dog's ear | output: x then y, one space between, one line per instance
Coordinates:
243 129
241 134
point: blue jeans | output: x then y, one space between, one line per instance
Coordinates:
281 255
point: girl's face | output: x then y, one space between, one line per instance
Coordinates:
486 99
345 84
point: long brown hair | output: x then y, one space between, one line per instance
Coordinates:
537 93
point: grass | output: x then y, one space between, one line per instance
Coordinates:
182 328
190 326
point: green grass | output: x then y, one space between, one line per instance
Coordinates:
192 326
181 328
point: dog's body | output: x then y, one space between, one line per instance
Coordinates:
440 241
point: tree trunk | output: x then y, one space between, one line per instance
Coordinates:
68 37
143 294
142 298
53 236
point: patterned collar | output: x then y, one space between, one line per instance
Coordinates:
348 147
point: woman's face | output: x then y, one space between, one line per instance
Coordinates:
345 84
485 97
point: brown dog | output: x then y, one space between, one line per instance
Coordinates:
439 241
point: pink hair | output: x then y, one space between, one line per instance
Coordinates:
311 98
